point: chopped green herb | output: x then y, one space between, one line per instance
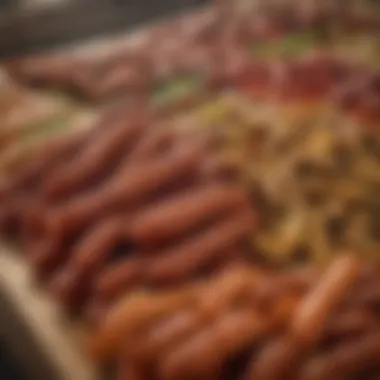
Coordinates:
177 89
290 46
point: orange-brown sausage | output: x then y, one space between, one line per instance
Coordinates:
233 284
300 280
163 337
205 353
278 360
114 280
132 314
131 369
310 317
349 324
348 360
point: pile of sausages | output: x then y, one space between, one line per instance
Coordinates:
162 51
205 42
143 230
246 323
353 89
361 97
129 204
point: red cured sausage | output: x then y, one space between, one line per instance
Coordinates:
86 259
180 262
309 319
94 160
182 213
132 185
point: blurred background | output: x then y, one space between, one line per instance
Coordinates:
27 25
8 367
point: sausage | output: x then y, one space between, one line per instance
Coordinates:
130 369
205 353
33 227
217 166
123 190
121 78
43 71
93 161
86 259
114 280
131 314
317 305
180 214
50 155
10 214
282 310
94 312
349 324
346 361
278 360
165 336
227 259
154 142
179 262
300 280
367 296
47 255
235 283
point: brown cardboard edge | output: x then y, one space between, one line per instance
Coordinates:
42 341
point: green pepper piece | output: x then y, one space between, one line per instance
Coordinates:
44 128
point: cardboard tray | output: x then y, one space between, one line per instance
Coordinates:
36 331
